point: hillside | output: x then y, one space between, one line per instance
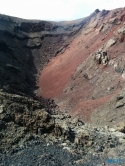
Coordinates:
62 90
87 77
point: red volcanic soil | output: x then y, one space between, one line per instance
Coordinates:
57 76
85 108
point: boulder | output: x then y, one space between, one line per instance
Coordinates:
102 58
119 104
119 66
121 127
120 33
32 43
110 43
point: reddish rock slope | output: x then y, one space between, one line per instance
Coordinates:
90 71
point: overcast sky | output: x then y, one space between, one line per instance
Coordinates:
56 9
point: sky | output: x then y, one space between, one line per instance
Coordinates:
56 10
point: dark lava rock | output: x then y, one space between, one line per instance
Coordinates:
42 155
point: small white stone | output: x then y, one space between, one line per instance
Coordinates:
121 140
63 144
119 134
112 129
123 75
67 148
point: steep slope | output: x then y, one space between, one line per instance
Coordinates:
26 46
79 64
50 70
91 70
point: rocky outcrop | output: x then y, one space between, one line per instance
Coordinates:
19 116
25 112
120 33
110 43
102 58
119 65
